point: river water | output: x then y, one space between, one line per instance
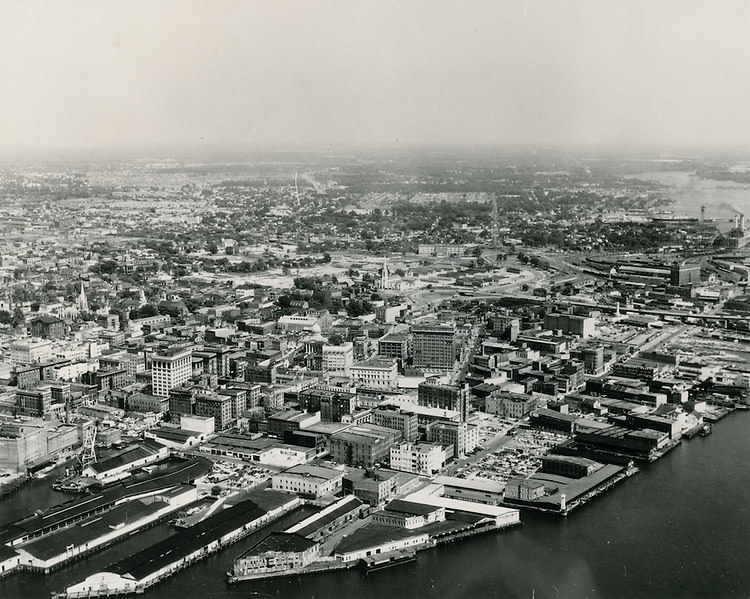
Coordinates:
688 191
679 528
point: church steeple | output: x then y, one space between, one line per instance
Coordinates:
384 275
82 303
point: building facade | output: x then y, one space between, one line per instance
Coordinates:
434 346
169 370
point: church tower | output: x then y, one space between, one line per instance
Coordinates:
384 284
82 303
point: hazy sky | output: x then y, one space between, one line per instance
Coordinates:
127 73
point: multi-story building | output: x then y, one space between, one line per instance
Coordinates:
572 324
418 458
435 346
442 249
333 406
170 369
509 405
108 380
277 553
30 351
47 326
463 437
363 445
132 363
681 274
395 346
239 400
27 377
504 326
636 369
28 444
373 486
375 373
34 402
593 360
312 399
394 417
181 401
218 406
433 394
309 481
338 359
140 402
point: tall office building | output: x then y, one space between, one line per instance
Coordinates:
434 346
433 394
170 369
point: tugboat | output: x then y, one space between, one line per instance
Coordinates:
705 430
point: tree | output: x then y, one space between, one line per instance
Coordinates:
18 317
5 317
335 339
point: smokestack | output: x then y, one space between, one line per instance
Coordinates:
742 222
703 214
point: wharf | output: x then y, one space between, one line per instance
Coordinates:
329 565
138 572
388 560
577 492
13 486
457 526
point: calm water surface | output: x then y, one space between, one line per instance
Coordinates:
722 199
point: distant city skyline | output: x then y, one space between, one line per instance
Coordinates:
196 74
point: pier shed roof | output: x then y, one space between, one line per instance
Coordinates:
187 541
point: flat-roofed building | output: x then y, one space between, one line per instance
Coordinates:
373 486
332 403
142 402
407 514
510 405
239 400
419 458
30 351
182 401
375 373
363 445
338 359
434 346
218 406
394 417
480 490
170 369
433 394
290 420
34 402
462 436
570 466
278 553
394 346
571 324
593 360
309 481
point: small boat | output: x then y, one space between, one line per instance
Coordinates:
705 430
